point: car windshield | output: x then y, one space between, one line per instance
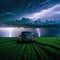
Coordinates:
26 33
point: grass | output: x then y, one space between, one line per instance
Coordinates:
43 48
53 41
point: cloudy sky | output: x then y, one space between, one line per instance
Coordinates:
46 14
17 9
32 9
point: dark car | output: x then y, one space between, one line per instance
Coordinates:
26 36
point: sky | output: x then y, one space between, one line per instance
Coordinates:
17 9
16 32
20 6
32 9
46 14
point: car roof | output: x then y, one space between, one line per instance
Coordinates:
26 32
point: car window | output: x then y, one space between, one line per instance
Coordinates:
26 33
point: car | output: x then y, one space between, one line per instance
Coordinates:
26 36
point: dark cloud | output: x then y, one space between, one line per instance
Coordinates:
8 16
23 21
23 6
11 10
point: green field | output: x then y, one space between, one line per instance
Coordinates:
43 48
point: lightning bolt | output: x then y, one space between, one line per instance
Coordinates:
38 31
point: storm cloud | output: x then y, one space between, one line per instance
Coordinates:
51 13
